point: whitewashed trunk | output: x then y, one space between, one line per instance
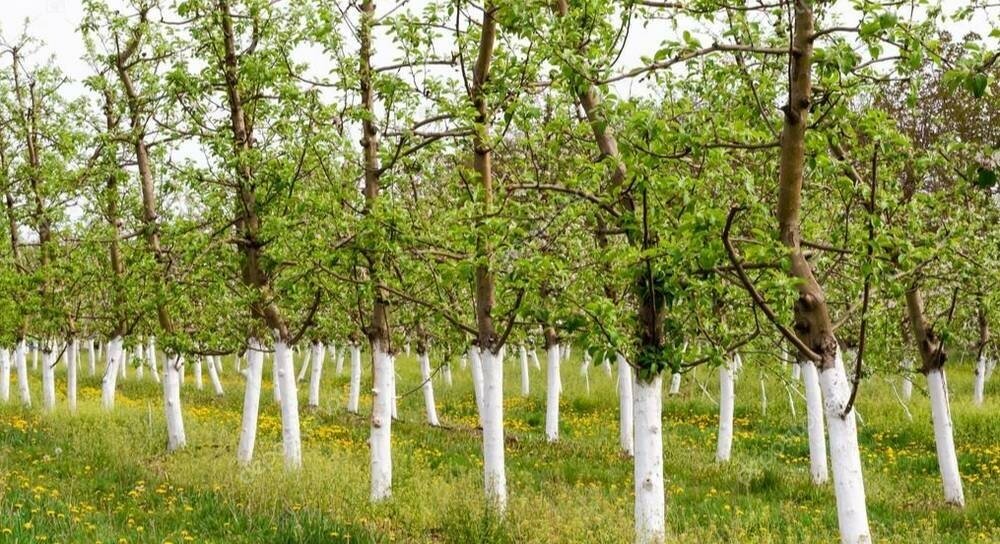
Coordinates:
392 397
979 384
675 383
585 371
140 369
428 388
845 457
5 364
91 357
291 437
251 402
22 373
176 438
151 358
446 371
123 360
606 366
48 377
198 382
534 359
625 406
305 365
34 358
727 401
907 380
525 378
275 379
494 467
476 364
552 389
354 393
380 440
944 440
72 360
814 423
650 496
213 374
338 355
797 372
110 381
316 357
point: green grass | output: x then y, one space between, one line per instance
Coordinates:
99 477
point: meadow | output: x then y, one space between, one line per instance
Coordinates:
103 477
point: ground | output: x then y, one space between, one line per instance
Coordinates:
100 477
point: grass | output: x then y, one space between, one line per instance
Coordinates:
100 477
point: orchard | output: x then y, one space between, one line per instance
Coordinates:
500 271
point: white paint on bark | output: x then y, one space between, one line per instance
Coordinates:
380 439
251 402
625 406
354 393
291 438
727 401
553 386
494 468
428 389
814 423
650 496
316 356
944 439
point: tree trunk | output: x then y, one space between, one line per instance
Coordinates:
650 498
48 377
318 353
428 388
5 364
213 374
291 439
22 373
176 438
553 386
381 423
354 393
251 402
727 400
525 378
625 406
198 382
476 366
109 383
495 474
814 423
72 360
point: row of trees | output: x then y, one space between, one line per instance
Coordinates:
247 176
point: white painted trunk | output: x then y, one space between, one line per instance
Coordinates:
213 374
606 366
650 497
525 378
476 364
380 440
354 394
845 457
727 401
428 389
305 365
275 379
251 402
176 438
72 360
22 373
140 369
625 406
291 437
91 357
675 383
5 364
317 355
34 358
110 381
534 359
585 371
797 372
979 385
907 380
446 371
48 378
151 358
339 357
393 398
814 423
494 468
552 389
123 360
944 440
198 382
